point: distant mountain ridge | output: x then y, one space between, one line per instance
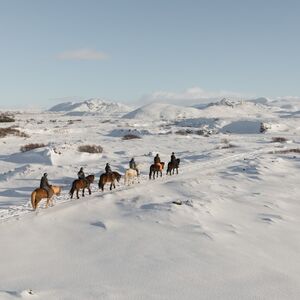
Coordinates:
162 111
91 106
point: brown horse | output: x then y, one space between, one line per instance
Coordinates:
172 166
155 169
109 177
81 184
38 194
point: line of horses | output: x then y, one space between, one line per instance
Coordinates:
130 177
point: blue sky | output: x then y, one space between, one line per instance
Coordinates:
129 50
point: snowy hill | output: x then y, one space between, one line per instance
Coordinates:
91 106
162 111
226 227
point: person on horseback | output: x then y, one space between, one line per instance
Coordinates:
108 169
157 159
44 184
81 175
132 165
173 158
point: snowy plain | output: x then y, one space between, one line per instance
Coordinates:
235 234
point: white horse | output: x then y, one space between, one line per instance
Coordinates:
130 176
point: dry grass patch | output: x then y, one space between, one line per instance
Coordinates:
130 137
29 147
183 131
6 118
286 151
12 131
70 122
90 149
279 140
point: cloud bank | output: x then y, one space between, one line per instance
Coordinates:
82 54
190 96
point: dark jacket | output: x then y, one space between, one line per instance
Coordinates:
108 169
173 158
132 164
44 183
157 159
81 175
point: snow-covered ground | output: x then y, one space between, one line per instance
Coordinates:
235 234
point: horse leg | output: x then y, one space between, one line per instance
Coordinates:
151 174
111 186
90 192
177 170
77 191
83 192
47 202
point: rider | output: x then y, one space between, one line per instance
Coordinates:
81 175
173 158
108 169
46 186
132 165
157 159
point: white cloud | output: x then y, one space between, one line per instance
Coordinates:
190 96
82 54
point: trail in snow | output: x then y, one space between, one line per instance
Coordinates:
16 212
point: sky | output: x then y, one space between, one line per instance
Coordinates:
131 50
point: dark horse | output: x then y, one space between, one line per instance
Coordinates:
81 184
155 169
109 177
172 166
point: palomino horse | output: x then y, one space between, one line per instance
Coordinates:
38 194
130 176
81 184
109 177
172 166
155 169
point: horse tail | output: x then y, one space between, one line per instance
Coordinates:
72 188
33 200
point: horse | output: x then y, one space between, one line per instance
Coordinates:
130 175
172 166
38 194
109 177
81 184
155 169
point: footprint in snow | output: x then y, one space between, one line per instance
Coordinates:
99 224
269 218
26 294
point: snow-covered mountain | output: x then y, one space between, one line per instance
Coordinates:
162 111
91 106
